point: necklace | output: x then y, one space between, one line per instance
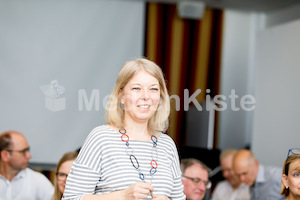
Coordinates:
133 159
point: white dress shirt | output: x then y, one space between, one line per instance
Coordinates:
224 191
27 185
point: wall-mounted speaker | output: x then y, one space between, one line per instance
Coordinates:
191 9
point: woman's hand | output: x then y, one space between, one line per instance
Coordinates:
160 197
137 191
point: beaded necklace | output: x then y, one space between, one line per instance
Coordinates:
133 159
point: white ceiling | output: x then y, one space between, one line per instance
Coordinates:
244 5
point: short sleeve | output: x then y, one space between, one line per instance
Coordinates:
85 171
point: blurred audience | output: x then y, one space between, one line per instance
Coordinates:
290 186
194 178
264 181
17 181
231 188
62 170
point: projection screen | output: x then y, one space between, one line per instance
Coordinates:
58 62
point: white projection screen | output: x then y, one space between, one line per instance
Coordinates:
58 62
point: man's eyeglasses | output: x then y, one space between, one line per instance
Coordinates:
198 180
24 151
295 151
61 176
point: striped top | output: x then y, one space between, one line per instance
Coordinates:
103 166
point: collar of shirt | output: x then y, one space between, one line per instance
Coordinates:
260 175
20 175
243 185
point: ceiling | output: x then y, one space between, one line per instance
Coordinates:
244 5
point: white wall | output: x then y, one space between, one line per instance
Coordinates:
276 118
236 74
80 43
261 57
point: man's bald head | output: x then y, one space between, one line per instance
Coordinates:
7 139
245 166
244 156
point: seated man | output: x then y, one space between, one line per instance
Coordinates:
231 188
194 178
264 181
18 182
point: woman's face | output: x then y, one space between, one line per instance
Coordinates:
292 180
63 172
140 97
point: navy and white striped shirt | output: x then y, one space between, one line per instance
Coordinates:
103 166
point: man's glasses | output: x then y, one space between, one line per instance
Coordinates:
295 151
198 180
24 151
61 176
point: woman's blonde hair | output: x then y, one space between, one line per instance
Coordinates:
66 157
285 191
115 114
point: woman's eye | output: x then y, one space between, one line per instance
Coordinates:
154 89
135 88
297 174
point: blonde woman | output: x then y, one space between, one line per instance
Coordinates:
290 185
130 157
62 170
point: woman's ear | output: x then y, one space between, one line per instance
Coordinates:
122 99
284 180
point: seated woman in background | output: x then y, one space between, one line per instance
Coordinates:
62 170
290 185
